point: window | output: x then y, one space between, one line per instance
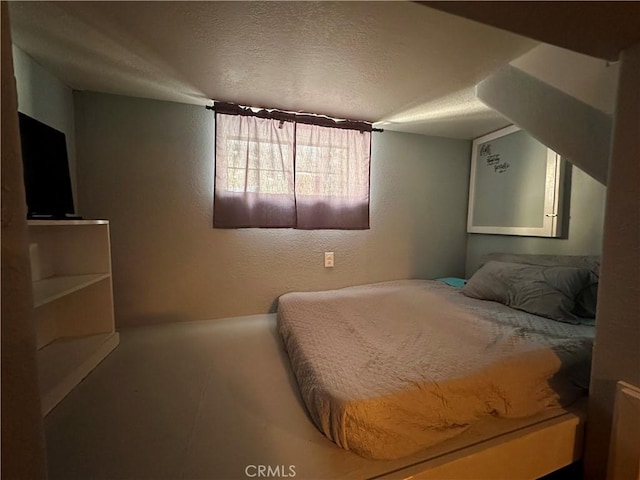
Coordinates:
245 171
278 169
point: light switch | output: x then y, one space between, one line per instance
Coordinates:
328 259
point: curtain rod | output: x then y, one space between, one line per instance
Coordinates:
307 116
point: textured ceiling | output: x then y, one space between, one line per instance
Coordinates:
401 63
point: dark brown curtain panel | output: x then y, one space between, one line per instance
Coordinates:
277 170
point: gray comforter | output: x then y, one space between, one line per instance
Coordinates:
388 369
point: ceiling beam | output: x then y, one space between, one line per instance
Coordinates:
600 29
575 130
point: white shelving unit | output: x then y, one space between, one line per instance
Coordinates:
50 289
73 302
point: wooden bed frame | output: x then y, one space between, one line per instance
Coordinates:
527 453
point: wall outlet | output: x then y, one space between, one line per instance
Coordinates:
328 259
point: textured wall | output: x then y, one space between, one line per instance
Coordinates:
147 166
44 97
616 354
23 454
586 217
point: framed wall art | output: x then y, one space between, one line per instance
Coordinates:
515 186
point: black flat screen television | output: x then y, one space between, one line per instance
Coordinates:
46 170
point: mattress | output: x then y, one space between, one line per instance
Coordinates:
388 369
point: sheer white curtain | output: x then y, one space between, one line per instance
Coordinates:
254 185
332 177
278 172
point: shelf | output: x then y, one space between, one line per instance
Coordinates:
64 363
73 302
50 289
62 223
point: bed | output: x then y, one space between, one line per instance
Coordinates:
390 369
225 392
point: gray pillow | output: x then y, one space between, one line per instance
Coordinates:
547 291
587 299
